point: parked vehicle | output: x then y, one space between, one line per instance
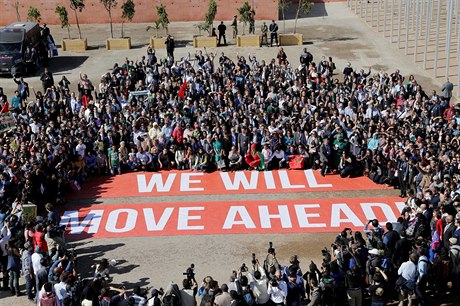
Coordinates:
14 40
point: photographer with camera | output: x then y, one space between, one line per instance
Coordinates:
277 289
259 284
271 263
243 286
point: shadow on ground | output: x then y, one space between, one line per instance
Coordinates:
65 63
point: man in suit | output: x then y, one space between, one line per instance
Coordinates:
273 33
325 153
221 29
449 229
447 89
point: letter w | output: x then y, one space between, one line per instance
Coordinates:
240 179
155 180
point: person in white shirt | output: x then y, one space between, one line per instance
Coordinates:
258 285
80 148
61 289
223 298
36 257
408 271
188 293
267 153
277 289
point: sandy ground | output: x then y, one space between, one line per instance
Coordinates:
332 30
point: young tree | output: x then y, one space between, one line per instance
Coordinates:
156 26
64 17
16 7
77 5
128 11
34 14
303 8
244 13
211 14
202 26
283 5
163 17
109 5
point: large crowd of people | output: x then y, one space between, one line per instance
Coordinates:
208 112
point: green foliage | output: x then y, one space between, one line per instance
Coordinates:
128 10
156 26
63 15
163 17
77 5
211 13
33 14
303 8
283 5
244 12
109 4
202 26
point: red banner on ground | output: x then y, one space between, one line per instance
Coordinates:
239 217
196 183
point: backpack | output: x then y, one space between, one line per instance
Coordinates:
248 297
171 300
48 299
429 267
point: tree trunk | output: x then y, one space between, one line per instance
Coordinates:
78 25
122 32
68 31
17 10
284 23
297 15
111 25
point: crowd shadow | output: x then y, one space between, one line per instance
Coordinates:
88 256
64 63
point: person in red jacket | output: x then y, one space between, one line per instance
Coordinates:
39 239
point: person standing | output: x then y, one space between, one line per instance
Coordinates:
221 29
273 33
170 46
264 36
447 89
252 29
47 79
27 269
235 26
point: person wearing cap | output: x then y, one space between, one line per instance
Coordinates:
255 159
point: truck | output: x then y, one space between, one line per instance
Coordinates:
14 40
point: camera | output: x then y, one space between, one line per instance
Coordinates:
243 268
254 260
190 273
